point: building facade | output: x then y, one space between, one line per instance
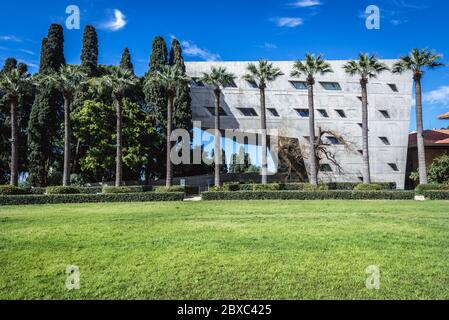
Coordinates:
338 110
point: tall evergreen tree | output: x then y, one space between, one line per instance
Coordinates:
125 62
44 124
89 54
182 113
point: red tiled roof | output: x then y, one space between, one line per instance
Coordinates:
444 116
431 137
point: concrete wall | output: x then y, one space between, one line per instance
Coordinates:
282 96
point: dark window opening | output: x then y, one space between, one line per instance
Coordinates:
212 111
385 140
334 86
248 112
273 112
323 113
299 85
303 113
341 113
325 167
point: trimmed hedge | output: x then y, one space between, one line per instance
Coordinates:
436 195
422 188
325 186
266 187
63 190
368 187
313 195
89 198
170 189
11 190
117 190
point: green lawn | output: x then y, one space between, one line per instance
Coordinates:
226 250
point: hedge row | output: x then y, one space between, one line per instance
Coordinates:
301 186
89 198
436 195
310 195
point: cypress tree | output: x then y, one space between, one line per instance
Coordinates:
125 62
44 124
89 53
182 117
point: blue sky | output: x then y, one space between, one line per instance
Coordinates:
240 30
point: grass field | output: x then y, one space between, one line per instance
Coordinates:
226 250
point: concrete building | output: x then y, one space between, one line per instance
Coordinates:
338 108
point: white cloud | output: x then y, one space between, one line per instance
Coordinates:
305 3
269 45
438 96
398 22
288 22
191 49
31 53
117 23
10 38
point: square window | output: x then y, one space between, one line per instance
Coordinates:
394 166
325 167
248 112
393 87
333 86
385 114
273 112
303 113
299 85
323 113
385 140
341 113
212 111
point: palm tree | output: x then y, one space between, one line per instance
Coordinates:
262 73
366 67
67 81
13 84
416 62
170 78
310 68
118 81
217 78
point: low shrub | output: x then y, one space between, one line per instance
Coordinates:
267 187
233 186
311 187
63 190
115 190
11 190
369 187
420 189
310 195
436 195
89 198
170 189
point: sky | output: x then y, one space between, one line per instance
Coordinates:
240 30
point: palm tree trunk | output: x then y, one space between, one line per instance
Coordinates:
119 157
313 164
420 133
263 125
67 142
218 157
169 179
365 133
14 145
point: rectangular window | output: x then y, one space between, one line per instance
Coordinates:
253 84
385 114
325 167
385 140
299 85
333 86
248 112
341 113
212 111
273 112
393 87
231 84
323 113
394 166
303 113
333 140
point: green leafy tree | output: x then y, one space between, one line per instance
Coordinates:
366 67
118 82
66 81
311 67
169 78
439 170
217 79
46 113
13 84
416 62
240 162
89 53
125 62
262 73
